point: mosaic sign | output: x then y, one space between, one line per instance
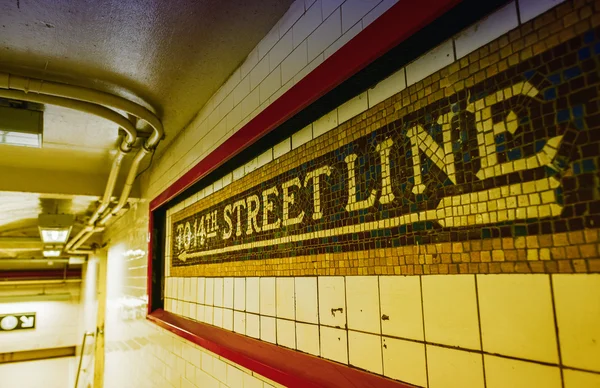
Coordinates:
12 322
513 155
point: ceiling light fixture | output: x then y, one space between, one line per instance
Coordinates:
21 127
52 253
76 260
55 228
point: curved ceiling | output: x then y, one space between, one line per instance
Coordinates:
171 54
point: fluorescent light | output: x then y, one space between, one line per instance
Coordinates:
20 139
55 236
35 298
74 260
52 253
21 126
55 228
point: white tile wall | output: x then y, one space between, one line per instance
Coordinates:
486 30
243 92
517 326
434 60
531 8
503 372
450 310
389 318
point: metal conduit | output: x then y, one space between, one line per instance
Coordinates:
81 106
94 102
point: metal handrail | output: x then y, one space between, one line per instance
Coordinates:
85 335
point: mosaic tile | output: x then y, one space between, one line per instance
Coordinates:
510 155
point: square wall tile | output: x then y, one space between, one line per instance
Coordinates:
218 293
235 377
252 382
200 298
362 296
307 337
531 8
194 290
385 89
239 322
286 333
218 317
228 293
228 319
239 294
365 351
200 313
180 290
453 368
252 325
285 298
405 361
429 63
267 329
267 296
187 287
486 30
516 316
353 107
209 292
209 314
334 344
332 301
252 295
503 372
577 304
401 310
450 310
577 379
306 299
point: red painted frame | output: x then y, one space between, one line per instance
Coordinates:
293 368
50 274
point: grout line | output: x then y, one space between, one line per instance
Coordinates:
381 338
556 330
423 320
318 315
480 330
346 326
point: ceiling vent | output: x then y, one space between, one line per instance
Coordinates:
21 124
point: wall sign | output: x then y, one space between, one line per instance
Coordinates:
12 322
515 154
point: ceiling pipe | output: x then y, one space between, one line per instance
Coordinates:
80 94
126 187
35 282
30 85
93 109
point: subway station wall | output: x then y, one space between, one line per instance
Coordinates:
139 354
440 229
57 322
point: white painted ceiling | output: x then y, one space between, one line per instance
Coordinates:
169 56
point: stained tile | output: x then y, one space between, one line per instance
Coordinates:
450 310
401 310
362 296
365 351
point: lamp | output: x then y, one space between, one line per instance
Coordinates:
52 253
21 127
55 228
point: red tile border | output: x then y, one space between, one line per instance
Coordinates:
396 25
288 367
51 274
284 366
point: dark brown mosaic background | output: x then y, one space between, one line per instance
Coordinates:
567 105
